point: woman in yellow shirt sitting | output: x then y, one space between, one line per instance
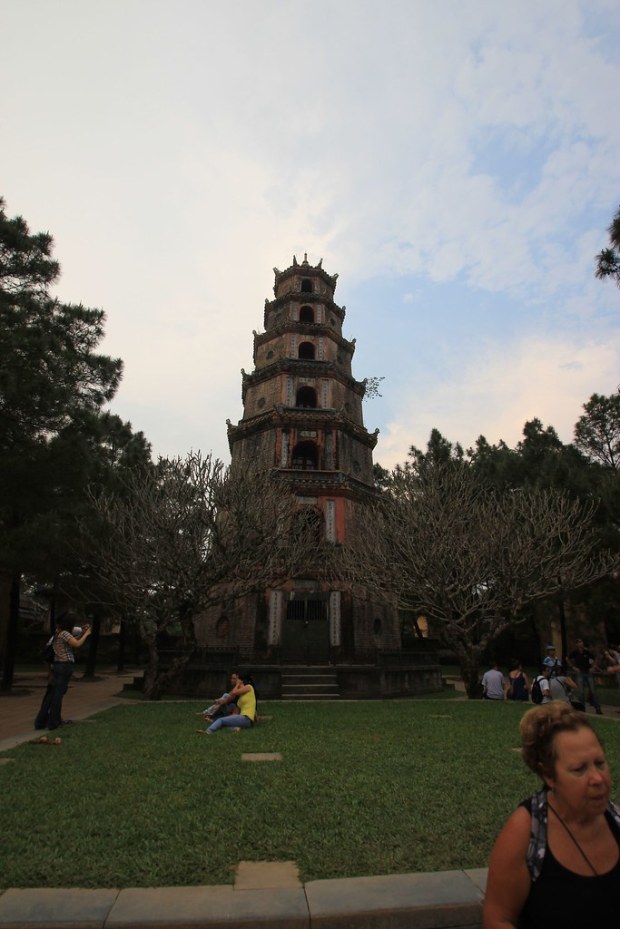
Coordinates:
245 696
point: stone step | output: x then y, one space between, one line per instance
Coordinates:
310 688
291 698
310 684
295 679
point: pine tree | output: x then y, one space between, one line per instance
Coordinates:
51 380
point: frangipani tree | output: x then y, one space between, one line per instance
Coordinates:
470 557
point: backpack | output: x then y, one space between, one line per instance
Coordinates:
537 694
538 831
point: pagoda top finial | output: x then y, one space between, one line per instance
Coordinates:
307 269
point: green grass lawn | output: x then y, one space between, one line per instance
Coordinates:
137 798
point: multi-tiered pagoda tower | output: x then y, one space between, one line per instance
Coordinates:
302 417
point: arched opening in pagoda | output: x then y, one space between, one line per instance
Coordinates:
306 314
305 456
307 350
306 398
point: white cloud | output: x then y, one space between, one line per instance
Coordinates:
498 390
181 156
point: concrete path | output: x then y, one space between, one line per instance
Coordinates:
84 698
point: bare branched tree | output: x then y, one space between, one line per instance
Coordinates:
471 558
181 534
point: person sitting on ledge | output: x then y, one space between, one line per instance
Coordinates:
493 684
245 696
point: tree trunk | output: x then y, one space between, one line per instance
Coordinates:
152 667
93 644
54 595
469 663
11 635
122 639
164 679
564 637
186 619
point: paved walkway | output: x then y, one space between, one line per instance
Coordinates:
83 699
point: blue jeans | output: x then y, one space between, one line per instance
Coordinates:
587 690
44 712
61 676
231 722
220 709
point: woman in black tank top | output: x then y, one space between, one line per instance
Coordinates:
557 859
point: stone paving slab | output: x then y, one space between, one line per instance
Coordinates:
252 875
219 907
441 900
478 876
54 908
261 756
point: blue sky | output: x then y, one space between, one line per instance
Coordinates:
456 163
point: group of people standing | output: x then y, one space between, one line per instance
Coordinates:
554 682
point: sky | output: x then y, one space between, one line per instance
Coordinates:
456 163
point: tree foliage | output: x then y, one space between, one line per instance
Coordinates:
608 260
597 432
49 368
53 385
371 387
471 557
189 532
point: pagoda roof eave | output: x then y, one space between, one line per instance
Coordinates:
291 325
302 418
334 482
304 367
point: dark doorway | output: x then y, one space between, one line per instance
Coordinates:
305 634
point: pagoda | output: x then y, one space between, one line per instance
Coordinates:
302 418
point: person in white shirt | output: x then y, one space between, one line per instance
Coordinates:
543 681
553 662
